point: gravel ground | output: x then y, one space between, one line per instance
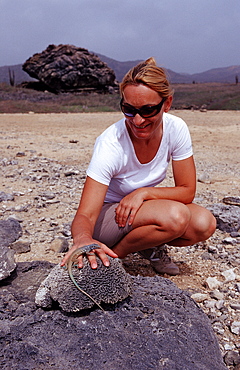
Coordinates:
43 162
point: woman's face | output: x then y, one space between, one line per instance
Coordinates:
138 96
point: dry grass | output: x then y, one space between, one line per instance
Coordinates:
214 96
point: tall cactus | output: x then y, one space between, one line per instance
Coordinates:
11 77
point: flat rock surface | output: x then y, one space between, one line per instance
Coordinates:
157 327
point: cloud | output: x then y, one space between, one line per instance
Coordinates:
186 36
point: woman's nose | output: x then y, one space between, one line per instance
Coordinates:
137 120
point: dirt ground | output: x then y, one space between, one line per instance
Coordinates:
69 139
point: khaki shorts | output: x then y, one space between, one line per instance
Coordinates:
106 230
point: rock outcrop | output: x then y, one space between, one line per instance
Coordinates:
10 231
157 327
227 216
67 68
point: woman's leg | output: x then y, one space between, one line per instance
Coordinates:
156 222
201 226
163 221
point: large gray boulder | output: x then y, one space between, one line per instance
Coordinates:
227 216
63 68
10 231
157 327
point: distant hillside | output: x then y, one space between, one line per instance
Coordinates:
120 68
20 75
222 75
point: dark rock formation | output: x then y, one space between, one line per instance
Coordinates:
227 216
65 68
105 284
158 327
5 197
10 230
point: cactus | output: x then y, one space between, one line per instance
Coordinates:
11 77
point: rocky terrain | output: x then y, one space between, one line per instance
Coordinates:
43 162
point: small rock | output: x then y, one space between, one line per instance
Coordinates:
20 154
228 347
204 178
229 275
21 246
7 262
235 305
207 256
216 294
212 249
5 196
230 240
71 173
234 234
235 327
232 358
210 304
59 245
220 304
47 195
212 283
218 328
199 297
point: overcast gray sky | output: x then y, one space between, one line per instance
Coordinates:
183 35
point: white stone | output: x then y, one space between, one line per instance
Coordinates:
212 283
235 327
199 297
216 294
229 275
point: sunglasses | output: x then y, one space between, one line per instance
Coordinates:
146 111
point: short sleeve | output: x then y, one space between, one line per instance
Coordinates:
104 162
182 143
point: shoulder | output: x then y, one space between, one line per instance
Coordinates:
113 132
173 121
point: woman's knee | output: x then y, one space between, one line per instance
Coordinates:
204 223
177 218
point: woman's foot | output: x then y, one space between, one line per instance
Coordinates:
160 260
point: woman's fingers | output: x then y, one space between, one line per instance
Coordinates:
102 253
122 214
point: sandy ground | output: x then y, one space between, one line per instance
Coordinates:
69 139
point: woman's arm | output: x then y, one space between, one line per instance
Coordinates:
84 221
184 173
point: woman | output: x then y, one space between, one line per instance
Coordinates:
121 209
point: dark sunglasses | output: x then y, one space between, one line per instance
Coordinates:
146 111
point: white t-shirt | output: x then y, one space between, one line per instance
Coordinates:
114 162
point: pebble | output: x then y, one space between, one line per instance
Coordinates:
229 275
235 327
199 297
212 283
235 305
216 294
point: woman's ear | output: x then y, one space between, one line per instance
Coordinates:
168 104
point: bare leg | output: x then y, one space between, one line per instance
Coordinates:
164 221
157 222
201 226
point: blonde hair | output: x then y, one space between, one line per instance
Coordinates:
148 74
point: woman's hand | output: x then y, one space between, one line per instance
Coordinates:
128 207
102 253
